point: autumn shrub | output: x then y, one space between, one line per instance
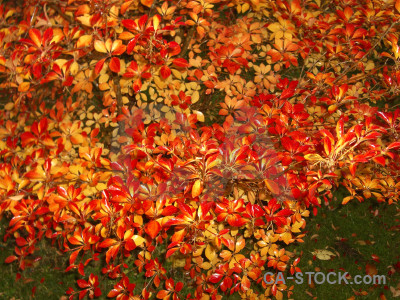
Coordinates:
193 133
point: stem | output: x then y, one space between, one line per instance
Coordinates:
185 46
61 13
118 94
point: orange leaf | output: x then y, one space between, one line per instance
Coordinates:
107 243
162 294
272 186
24 86
275 55
37 173
84 41
152 228
147 3
35 36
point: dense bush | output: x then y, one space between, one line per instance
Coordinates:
191 135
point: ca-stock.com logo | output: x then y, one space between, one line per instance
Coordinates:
322 278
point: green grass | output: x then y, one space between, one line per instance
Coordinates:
354 232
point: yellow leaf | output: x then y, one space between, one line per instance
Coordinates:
198 251
161 84
9 106
296 227
177 73
101 186
240 244
206 266
332 108
274 27
210 252
200 115
84 41
286 237
156 21
313 156
195 97
100 46
138 240
245 7
85 19
104 78
323 254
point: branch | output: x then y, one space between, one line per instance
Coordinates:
118 94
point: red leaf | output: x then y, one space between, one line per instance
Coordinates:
27 138
73 256
375 257
393 145
169 210
287 93
10 259
42 211
115 65
97 292
170 252
284 213
380 160
62 191
142 21
130 24
82 283
179 286
34 291
99 66
21 241
165 72
82 294
237 222
180 62
214 278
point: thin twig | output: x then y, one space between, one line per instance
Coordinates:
366 54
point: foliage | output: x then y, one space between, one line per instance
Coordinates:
113 147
